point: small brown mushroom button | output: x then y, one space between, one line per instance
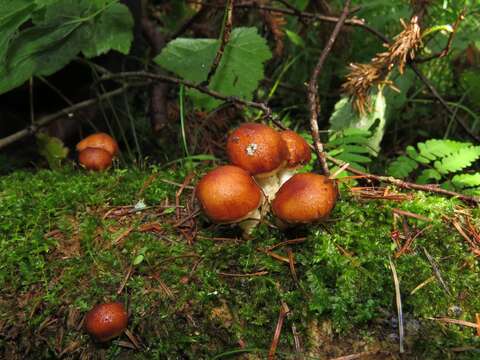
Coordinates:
106 321
95 159
299 154
228 194
99 140
261 151
305 198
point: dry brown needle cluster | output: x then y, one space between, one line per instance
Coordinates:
275 22
363 77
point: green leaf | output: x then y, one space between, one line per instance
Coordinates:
13 13
402 167
112 31
344 117
138 259
52 149
428 175
458 161
239 71
466 180
295 38
59 32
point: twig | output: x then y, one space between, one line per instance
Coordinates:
278 330
356 356
69 111
291 263
410 214
258 273
288 242
447 47
436 271
172 80
455 321
399 305
226 31
313 101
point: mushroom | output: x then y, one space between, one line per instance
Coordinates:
228 194
299 154
106 321
261 151
305 198
99 140
95 159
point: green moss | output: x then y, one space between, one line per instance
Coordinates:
60 254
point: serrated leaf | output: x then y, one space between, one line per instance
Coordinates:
402 167
438 148
458 161
427 175
466 180
112 31
353 158
238 73
62 29
13 13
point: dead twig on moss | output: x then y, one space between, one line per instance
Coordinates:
399 306
284 310
313 100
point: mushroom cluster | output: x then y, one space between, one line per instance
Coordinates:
263 170
96 152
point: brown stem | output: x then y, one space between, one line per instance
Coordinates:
313 101
227 30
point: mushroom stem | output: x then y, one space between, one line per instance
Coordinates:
249 224
269 185
285 174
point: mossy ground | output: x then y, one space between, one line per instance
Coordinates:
66 243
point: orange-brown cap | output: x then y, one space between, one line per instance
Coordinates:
257 148
99 140
106 321
95 159
305 198
298 150
228 194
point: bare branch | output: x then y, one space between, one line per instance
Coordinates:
313 101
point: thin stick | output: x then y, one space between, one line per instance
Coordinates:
436 271
258 273
169 79
226 31
68 111
313 101
399 305
278 330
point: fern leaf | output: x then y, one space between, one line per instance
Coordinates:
442 148
402 167
429 176
466 180
413 153
458 160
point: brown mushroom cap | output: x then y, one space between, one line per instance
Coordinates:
298 150
106 321
95 159
257 148
305 198
99 140
228 194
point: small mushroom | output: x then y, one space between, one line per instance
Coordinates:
106 321
299 154
228 194
95 159
305 198
99 140
261 151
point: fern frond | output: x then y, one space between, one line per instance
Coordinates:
428 176
466 180
402 167
459 160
